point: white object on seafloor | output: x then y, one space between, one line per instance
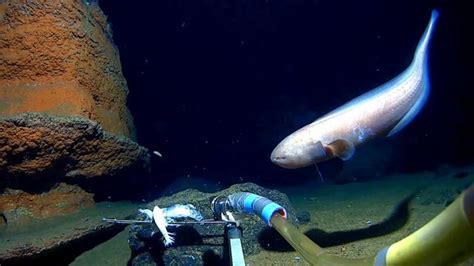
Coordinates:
148 213
161 223
161 217
178 211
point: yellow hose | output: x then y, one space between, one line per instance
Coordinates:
448 238
311 252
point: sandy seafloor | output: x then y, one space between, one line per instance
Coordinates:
340 208
337 208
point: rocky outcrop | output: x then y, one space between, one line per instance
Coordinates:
58 57
17 205
63 113
58 241
37 145
38 151
205 244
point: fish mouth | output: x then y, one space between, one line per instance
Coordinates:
277 159
283 162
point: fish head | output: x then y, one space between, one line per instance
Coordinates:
294 152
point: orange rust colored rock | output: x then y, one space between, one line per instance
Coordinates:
34 145
58 57
20 207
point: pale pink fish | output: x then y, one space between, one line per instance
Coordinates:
381 112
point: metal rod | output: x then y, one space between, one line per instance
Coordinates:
207 221
118 221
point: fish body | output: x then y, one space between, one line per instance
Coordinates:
180 211
382 111
147 213
161 223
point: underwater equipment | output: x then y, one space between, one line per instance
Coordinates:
223 207
174 213
233 231
448 238
249 203
163 218
125 221
234 234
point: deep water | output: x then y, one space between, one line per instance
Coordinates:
215 85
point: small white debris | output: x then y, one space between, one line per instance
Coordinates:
157 153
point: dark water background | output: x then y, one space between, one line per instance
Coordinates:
216 84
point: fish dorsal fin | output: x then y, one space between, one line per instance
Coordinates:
341 148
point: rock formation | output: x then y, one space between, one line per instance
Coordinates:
20 206
204 244
35 145
58 241
58 57
63 114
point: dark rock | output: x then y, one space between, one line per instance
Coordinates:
204 244
184 258
303 217
143 259
19 207
38 145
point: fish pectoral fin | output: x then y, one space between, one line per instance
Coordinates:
341 148
318 151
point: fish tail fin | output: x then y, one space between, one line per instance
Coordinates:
420 61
